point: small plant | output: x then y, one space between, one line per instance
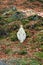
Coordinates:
3 32
19 61
24 20
2 22
34 17
16 27
7 51
38 38
39 55
22 52
14 37
31 0
41 48
34 62
27 26
40 1
28 34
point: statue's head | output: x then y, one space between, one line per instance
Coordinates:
21 25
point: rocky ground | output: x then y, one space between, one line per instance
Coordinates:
30 52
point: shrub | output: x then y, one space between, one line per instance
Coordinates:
27 26
28 34
3 32
39 55
18 61
17 16
0 18
2 22
38 38
14 37
34 17
16 27
37 26
22 52
31 0
34 62
8 51
24 21
40 1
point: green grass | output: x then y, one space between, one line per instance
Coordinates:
39 55
34 62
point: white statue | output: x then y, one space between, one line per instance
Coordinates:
21 34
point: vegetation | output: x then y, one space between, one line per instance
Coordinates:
30 52
35 0
14 37
22 52
39 55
